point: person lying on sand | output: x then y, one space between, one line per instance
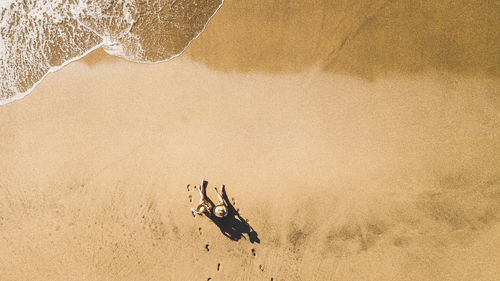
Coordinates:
221 209
205 206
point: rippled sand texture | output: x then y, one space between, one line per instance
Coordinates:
40 36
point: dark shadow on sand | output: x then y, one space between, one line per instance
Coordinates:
234 226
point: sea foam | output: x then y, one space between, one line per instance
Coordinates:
41 36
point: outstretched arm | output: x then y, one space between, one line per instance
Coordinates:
202 190
220 195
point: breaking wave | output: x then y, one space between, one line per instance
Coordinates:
41 36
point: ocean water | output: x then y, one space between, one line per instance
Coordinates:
41 36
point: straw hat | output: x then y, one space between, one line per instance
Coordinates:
220 211
202 209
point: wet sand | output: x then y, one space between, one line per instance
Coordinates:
342 176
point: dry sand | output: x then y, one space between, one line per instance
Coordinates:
387 174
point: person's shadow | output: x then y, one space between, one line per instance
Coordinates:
234 226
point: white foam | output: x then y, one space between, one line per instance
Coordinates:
122 54
57 12
25 48
51 70
6 3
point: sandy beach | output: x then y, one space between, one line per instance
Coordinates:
348 164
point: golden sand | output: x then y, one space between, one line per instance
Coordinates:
369 171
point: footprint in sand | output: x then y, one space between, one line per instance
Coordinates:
206 247
190 198
218 267
253 252
199 230
261 267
